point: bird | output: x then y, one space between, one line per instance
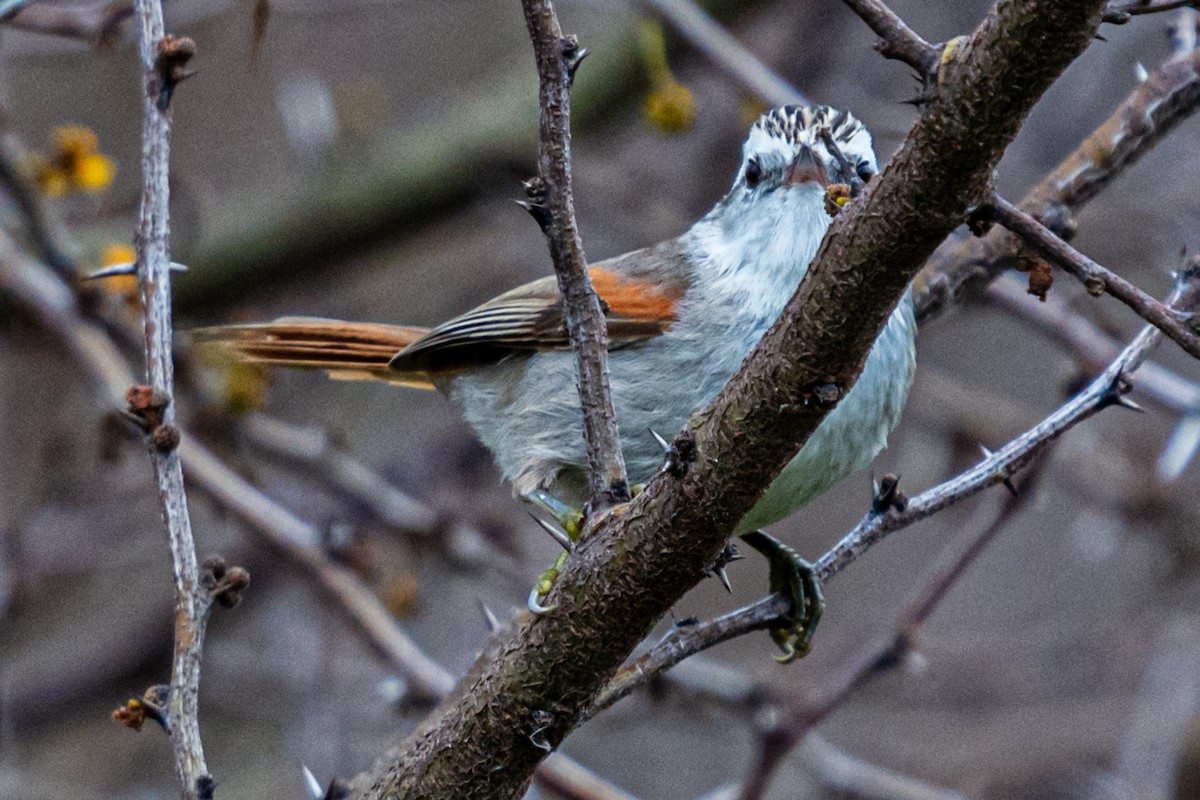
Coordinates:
681 316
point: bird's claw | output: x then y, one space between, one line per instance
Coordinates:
569 518
795 579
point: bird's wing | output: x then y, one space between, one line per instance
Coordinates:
531 318
526 319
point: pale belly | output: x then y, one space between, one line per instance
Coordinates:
526 411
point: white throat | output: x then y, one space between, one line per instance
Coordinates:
752 250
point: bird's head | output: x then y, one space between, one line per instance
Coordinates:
774 216
804 147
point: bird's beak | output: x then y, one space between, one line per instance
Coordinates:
806 169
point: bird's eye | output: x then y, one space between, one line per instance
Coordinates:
754 173
863 170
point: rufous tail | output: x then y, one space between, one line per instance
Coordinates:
355 351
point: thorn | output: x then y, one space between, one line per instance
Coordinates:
723 577
1007 479
311 785
556 534
1115 394
535 203
1140 72
728 555
128 268
573 55
488 617
887 495
663 443
542 722
534 606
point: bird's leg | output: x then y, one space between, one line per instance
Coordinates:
795 579
570 521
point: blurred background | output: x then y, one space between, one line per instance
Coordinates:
359 159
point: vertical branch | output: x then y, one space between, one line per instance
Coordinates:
162 61
552 205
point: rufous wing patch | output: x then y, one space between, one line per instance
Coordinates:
632 300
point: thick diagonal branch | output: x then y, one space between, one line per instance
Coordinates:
557 58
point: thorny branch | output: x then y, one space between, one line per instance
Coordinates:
897 40
1098 280
1094 347
1156 106
551 203
1106 390
155 405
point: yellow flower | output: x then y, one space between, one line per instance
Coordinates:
95 172
75 163
671 107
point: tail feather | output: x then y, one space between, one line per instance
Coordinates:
345 350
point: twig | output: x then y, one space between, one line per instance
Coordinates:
712 40
94 22
1155 107
898 41
1097 279
1121 11
192 600
845 774
295 538
552 205
997 467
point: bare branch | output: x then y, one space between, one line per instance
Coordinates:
93 22
553 206
193 601
45 228
1097 279
720 47
1155 107
898 41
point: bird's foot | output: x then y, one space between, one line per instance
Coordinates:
570 521
795 579
568 517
